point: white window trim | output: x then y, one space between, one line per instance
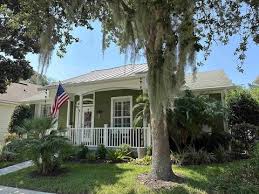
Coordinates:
118 98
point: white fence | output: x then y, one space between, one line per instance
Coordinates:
110 137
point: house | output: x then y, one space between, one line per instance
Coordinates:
100 106
14 95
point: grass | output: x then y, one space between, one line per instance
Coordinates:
121 178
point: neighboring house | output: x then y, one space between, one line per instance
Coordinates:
102 100
15 93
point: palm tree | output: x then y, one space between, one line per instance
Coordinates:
142 110
45 147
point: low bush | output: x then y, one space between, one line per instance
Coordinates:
7 156
177 158
101 152
10 137
244 136
12 151
222 155
123 153
147 160
255 158
191 156
82 153
125 150
194 157
91 156
211 142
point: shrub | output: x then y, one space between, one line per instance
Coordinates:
221 155
147 160
10 137
177 158
7 156
91 156
218 139
123 153
20 113
101 151
124 150
12 150
255 158
242 107
244 136
83 150
190 114
194 157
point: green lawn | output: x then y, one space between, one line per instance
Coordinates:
121 178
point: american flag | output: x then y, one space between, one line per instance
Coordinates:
60 99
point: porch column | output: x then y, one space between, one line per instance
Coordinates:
80 110
68 113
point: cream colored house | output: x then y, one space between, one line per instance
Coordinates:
15 93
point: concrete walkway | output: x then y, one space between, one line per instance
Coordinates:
10 190
15 167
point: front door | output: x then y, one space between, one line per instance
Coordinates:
87 117
87 124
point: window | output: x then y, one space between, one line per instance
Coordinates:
45 110
121 111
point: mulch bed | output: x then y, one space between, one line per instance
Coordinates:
154 184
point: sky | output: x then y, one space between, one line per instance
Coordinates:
86 55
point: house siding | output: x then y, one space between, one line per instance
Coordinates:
103 104
6 111
62 119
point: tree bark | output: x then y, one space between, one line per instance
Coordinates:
161 163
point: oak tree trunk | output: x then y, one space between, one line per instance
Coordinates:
161 163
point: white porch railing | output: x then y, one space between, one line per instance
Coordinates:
110 137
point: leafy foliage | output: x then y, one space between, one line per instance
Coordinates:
83 151
189 115
101 151
213 141
123 153
255 93
91 156
14 45
147 160
244 136
20 113
191 156
142 110
242 107
222 155
44 147
10 137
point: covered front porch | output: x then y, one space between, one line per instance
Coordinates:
104 116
